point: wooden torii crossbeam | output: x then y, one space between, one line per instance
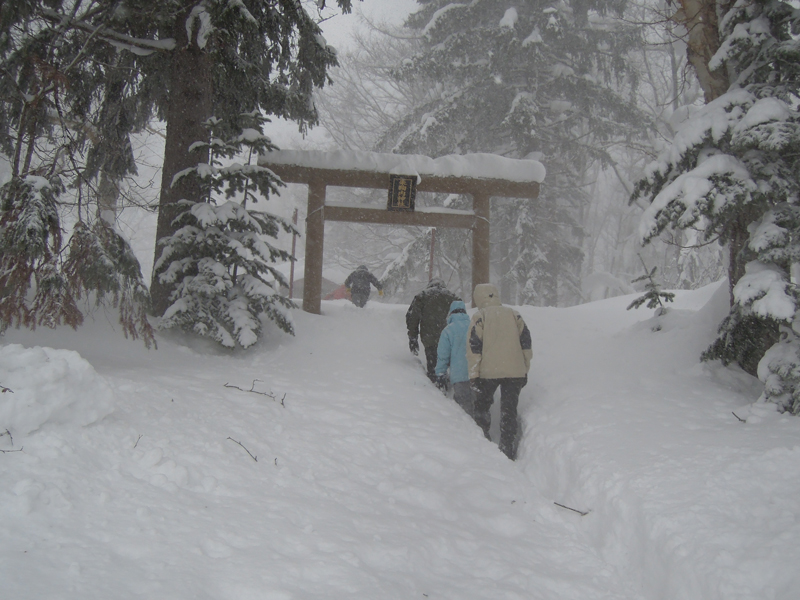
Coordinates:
478 175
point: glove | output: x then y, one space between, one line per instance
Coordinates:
347 289
413 345
380 292
441 383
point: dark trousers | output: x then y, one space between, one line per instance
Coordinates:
510 388
359 298
464 396
431 356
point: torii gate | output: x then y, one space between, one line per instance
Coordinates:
478 175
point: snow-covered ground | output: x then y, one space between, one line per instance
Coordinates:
135 473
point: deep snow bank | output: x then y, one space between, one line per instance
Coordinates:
43 385
627 424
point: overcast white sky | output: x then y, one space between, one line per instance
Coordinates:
338 31
339 28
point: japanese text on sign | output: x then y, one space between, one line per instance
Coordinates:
402 192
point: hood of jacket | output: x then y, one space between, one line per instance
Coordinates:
461 315
435 283
486 294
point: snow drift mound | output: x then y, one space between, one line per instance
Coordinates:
43 385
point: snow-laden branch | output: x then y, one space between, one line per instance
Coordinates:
140 46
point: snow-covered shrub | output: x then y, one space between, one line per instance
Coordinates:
33 290
218 259
779 369
100 261
764 300
41 278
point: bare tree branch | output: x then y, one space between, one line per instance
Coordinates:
245 449
253 390
8 433
580 512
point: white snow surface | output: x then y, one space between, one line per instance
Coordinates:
476 166
369 483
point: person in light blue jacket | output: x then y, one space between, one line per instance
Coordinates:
452 353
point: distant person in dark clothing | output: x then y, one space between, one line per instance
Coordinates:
426 317
358 282
452 353
498 355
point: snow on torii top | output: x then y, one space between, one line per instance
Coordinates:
474 166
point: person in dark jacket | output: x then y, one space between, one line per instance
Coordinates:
452 354
358 282
426 317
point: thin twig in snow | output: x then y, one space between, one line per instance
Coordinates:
4 389
738 417
245 449
8 433
137 440
252 389
580 512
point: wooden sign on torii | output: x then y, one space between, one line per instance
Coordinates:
478 175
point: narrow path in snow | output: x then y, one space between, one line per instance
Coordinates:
470 519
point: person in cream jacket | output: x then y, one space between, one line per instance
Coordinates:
498 355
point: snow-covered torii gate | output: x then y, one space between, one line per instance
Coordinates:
478 175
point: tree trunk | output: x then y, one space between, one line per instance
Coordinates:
190 105
737 243
108 197
699 17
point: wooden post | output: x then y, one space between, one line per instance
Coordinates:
480 240
315 234
294 246
433 248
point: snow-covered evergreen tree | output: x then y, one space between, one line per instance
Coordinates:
104 68
228 58
218 260
731 172
66 95
536 80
